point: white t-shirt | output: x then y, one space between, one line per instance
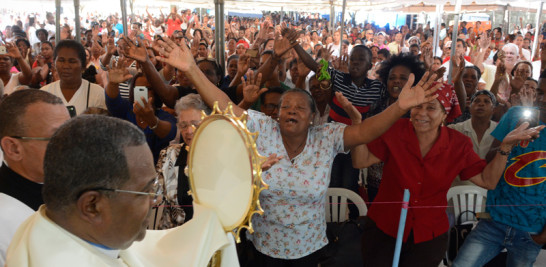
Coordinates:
12 83
79 100
526 54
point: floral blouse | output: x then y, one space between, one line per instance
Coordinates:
293 224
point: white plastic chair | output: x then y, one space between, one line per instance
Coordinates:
467 198
336 204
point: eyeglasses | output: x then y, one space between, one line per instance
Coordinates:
156 191
185 125
31 138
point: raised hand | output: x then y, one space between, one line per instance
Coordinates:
251 89
341 63
281 46
243 63
485 41
13 51
457 65
145 116
527 96
134 51
111 46
428 58
423 92
501 71
326 53
118 73
521 133
179 57
40 60
517 81
354 114
290 34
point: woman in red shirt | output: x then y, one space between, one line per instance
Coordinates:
173 21
424 156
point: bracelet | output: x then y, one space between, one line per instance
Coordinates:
156 124
324 87
504 153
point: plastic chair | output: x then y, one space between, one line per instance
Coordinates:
336 204
155 217
467 198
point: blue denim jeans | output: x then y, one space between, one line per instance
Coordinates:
489 238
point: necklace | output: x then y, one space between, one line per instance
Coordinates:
295 150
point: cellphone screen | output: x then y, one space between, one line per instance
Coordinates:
532 116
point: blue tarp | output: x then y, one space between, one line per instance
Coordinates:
244 15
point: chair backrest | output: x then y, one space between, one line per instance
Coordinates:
155 217
336 204
467 198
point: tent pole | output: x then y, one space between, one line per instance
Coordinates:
219 40
77 19
332 17
506 20
454 37
537 28
57 21
342 28
124 16
436 39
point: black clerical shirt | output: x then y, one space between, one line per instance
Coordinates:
20 188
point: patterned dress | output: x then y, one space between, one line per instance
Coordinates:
293 224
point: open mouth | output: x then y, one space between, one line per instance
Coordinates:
291 121
396 89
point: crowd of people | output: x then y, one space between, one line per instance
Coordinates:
326 103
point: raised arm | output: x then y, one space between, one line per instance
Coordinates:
117 74
360 155
26 72
375 126
458 69
493 171
167 93
181 58
306 58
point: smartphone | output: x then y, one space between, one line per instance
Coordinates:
138 93
252 52
532 116
3 50
71 111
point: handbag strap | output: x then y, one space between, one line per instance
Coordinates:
461 214
88 89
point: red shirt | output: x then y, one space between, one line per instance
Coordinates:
173 25
428 178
